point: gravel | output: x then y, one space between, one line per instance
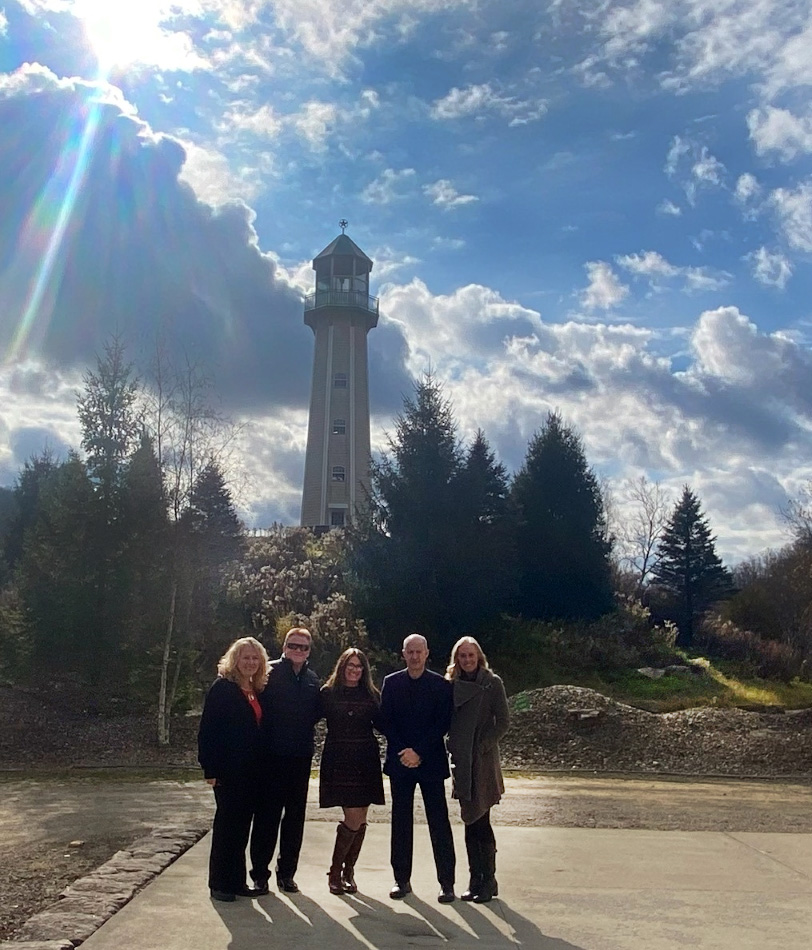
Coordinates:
570 727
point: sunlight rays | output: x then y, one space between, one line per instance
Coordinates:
46 227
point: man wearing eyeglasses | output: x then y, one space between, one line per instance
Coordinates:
291 709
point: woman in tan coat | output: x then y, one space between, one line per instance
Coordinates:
480 720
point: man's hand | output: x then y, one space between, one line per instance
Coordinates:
409 758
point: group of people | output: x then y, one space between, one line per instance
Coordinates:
256 745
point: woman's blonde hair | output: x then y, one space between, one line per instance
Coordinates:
336 678
453 668
227 664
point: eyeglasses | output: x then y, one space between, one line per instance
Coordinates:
353 666
301 647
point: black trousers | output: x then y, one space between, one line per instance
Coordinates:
280 812
442 841
236 799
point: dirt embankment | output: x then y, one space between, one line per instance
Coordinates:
558 728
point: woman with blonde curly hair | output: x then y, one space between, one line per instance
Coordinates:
350 774
229 750
479 721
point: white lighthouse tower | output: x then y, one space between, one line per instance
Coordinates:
340 313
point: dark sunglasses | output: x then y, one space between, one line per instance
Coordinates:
302 647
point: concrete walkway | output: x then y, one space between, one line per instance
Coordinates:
560 889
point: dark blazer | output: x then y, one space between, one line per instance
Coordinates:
416 714
228 740
291 707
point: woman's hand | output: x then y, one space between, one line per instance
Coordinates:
211 781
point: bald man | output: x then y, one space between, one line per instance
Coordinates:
416 707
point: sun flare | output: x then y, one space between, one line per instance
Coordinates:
129 32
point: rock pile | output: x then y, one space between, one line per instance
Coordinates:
570 727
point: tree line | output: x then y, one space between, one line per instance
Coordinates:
124 569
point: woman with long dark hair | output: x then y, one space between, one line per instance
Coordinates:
230 751
479 721
350 774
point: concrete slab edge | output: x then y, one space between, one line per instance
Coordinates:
92 899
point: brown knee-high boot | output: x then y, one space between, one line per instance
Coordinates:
344 840
347 876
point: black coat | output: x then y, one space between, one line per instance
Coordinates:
350 773
229 738
416 714
290 709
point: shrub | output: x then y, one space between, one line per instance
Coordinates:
530 654
766 658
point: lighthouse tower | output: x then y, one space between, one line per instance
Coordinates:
340 313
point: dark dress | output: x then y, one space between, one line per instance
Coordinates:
350 772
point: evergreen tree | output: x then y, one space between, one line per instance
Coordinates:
27 490
110 423
404 553
146 528
689 567
562 547
56 578
486 552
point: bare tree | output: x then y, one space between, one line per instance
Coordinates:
647 506
798 516
189 433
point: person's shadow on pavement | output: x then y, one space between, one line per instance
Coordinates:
477 927
295 921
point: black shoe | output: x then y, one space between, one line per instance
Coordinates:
246 891
399 891
287 884
222 896
446 895
473 888
260 889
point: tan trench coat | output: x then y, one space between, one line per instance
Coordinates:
480 720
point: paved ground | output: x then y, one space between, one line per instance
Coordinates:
560 889
64 806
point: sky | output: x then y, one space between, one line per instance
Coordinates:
594 207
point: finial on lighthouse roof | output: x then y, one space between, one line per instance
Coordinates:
343 224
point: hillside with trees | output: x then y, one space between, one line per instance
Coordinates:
125 571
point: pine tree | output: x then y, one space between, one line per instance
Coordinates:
486 558
56 578
562 544
404 553
689 567
109 417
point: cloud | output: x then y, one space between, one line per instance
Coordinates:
702 43
652 265
386 187
481 100
162 260
605 290
469 324
666 206
778 130
772 269
445 195
794 210
211 177
3 23
263 122
693 166
314 123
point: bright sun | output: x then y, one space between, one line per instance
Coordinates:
125 32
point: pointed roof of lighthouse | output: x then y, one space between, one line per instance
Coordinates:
342 245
